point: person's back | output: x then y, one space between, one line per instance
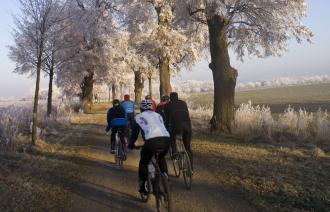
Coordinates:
128 105
176 113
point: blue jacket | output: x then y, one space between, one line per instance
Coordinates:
115 113
128 106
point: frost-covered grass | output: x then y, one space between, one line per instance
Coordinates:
15 120
298 125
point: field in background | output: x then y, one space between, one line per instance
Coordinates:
308 97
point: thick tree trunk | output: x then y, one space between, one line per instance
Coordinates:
35 106
50 91
164 77
87 92
224 76
138 86
114 92
150 85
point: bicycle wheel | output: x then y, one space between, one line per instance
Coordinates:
118 158
176 164
186 170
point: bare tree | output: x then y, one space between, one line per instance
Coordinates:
31 34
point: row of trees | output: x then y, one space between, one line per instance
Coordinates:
127 41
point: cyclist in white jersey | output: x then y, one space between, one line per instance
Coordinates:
156 139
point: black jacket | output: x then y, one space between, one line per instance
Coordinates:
177 115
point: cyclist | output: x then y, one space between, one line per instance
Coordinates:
156 138
116 120
160 107
148 97
178 122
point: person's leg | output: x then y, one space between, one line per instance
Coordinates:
164 144
145 158
173 141
186 138
113 138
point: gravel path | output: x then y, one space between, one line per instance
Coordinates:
106 187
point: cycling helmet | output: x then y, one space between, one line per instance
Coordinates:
165 98
146 104
115 102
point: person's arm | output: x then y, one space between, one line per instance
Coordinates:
109 119
134 135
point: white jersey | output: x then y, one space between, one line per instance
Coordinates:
152 125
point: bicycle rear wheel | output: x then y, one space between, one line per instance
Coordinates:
186 170
162 194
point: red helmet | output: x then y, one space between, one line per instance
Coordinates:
126 97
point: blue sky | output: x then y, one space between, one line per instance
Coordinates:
302 59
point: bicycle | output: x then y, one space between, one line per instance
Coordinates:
120 154
157 184
181 164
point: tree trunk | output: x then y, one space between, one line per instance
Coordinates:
150 85
113 91
87 92
224 76
109 97
50 91
35 106
138 86
121 90
164 77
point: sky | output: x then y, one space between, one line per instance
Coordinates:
301 60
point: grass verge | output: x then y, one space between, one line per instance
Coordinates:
272 176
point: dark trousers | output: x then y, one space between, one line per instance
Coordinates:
150 147
114 130
185 131
130 118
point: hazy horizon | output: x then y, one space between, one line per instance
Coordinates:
301 60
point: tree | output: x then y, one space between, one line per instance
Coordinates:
31 34
91 24
254 27
166 40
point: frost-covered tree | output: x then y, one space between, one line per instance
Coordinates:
31 34
91 23
170 43
254 27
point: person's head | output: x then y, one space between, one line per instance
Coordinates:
148 97
146 104
115 103
174 96
165 98
126 97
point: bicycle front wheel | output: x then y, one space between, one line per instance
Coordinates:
186 170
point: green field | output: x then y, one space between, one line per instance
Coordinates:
308 97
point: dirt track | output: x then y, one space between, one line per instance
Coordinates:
106 187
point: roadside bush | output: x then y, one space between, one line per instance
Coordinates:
13 120
16 120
